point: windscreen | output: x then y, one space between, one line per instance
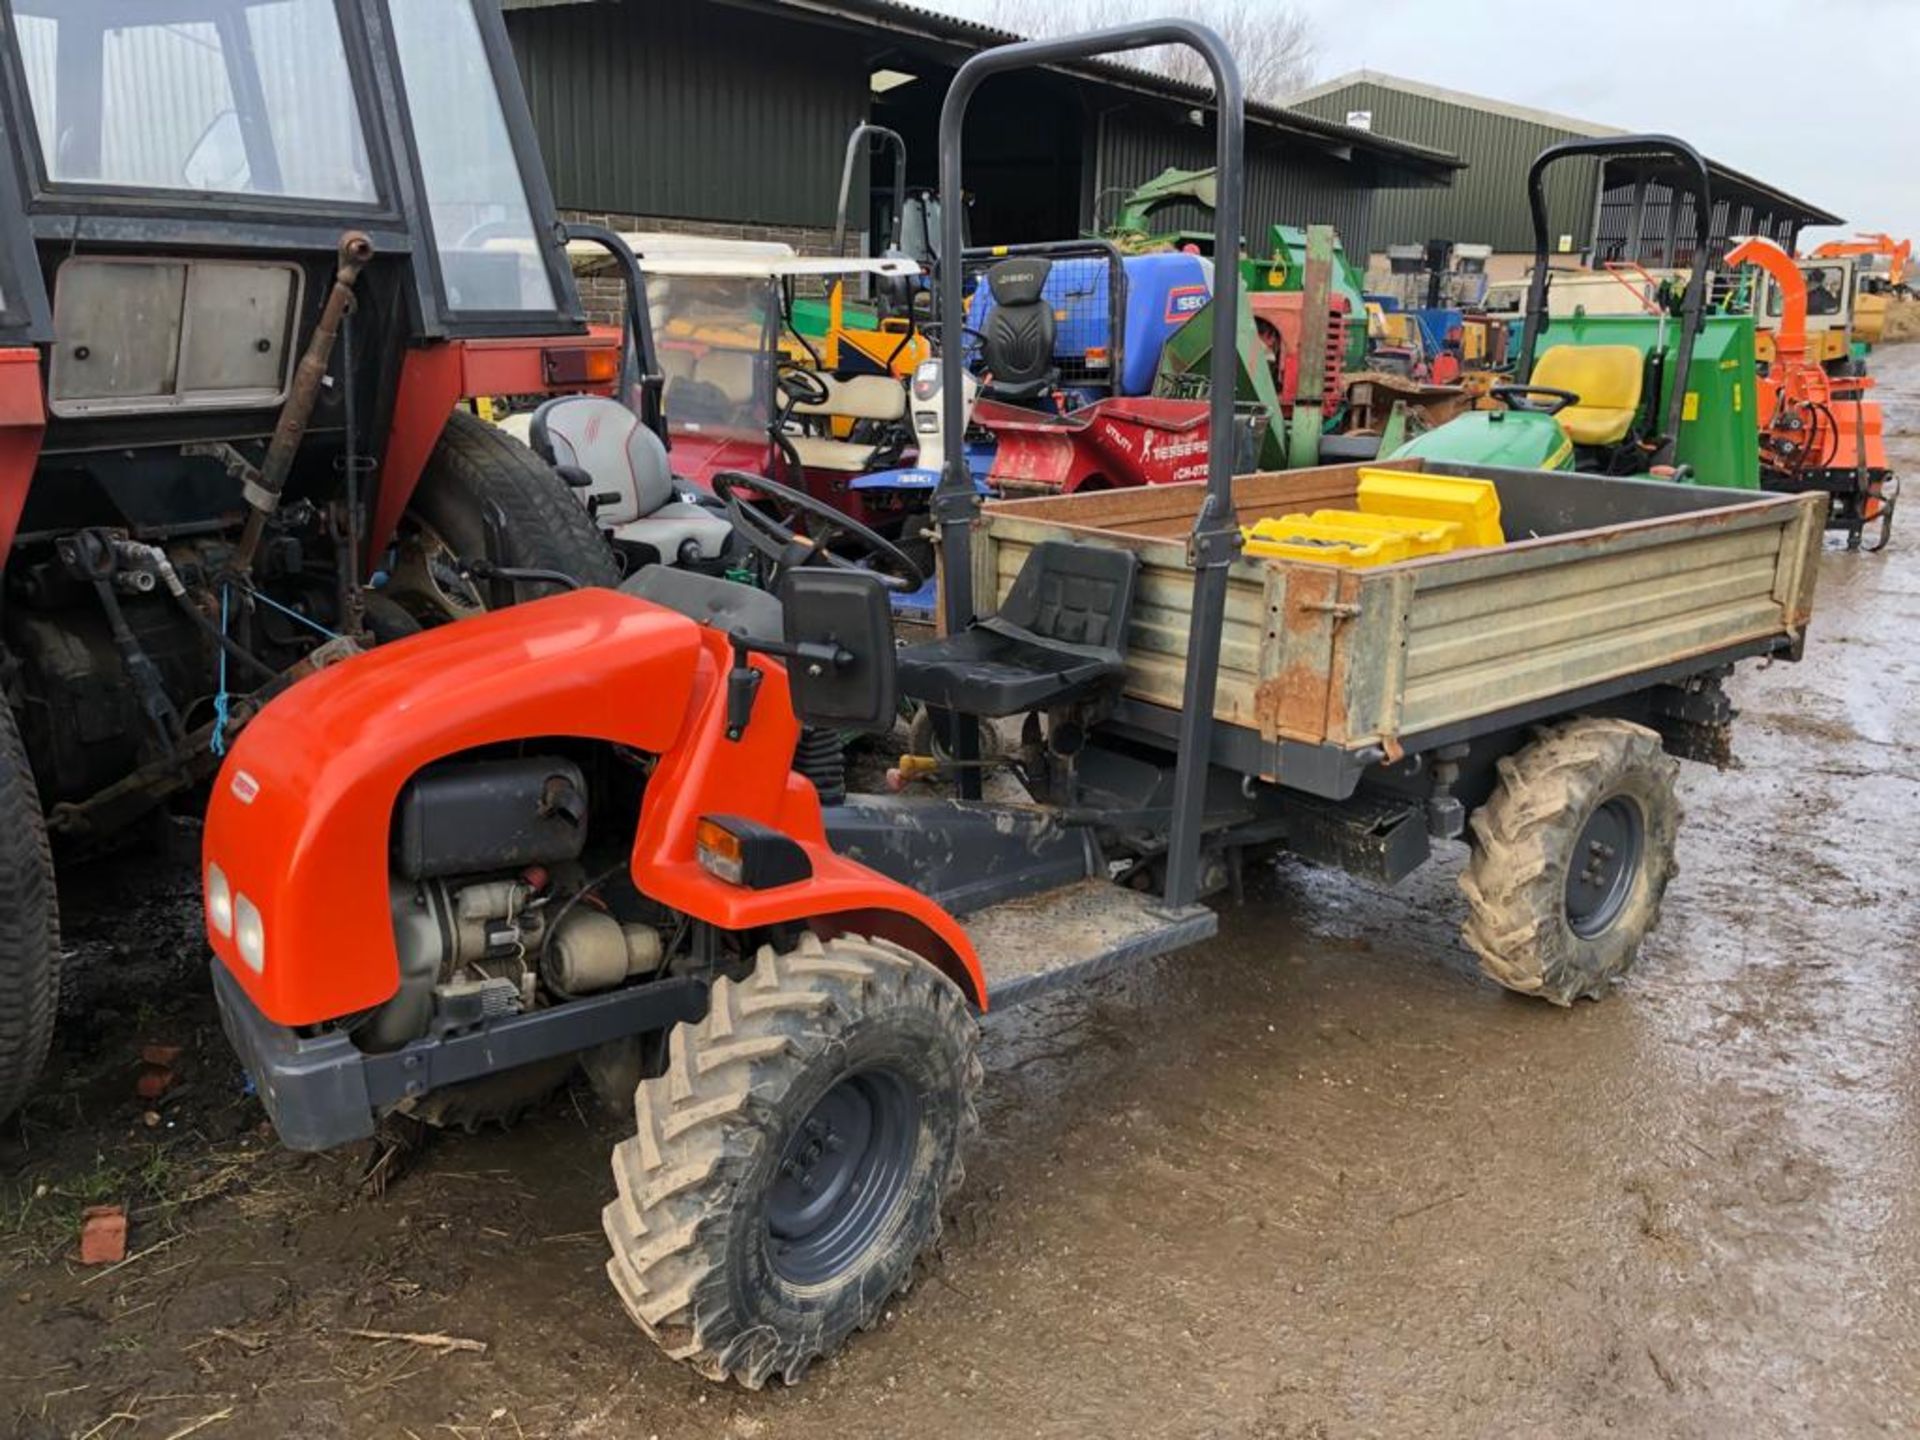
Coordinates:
490 257
247 97
1826 291
714 334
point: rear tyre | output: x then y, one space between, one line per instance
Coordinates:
484 495
791 1164
29 925
1572 855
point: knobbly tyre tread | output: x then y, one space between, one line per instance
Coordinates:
702 1124
547 527
1524 834
30 940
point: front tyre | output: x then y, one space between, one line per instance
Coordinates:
1572 856
29 925
791 1164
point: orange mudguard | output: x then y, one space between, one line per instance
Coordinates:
301 812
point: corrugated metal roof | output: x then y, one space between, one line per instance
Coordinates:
1406 162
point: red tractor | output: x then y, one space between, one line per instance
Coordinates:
253 255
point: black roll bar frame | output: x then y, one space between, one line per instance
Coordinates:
857 151
1693 303
1214 542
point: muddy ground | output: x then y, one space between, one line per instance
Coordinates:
1313 1180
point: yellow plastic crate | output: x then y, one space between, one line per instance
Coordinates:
1471 502
1301 537
1423 537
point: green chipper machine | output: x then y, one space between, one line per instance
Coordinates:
1670 392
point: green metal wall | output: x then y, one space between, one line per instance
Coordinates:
1487 204
684 109
1286 184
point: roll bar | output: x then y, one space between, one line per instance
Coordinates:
639 360
1693 304
857 151
1215 540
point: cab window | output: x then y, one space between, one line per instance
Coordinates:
490 257
240 97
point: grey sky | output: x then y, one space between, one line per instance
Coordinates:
1744 82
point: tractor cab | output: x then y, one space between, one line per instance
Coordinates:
1838 313
261 131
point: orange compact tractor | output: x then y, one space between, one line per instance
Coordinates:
253 254
613 828
1818 430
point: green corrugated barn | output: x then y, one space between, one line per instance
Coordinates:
1620 214
730 117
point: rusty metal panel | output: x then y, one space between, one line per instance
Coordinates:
1291 701
1370 656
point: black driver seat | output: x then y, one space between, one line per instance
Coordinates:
1017 343
1057 640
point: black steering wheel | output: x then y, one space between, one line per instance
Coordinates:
1515 397
778 539
802 385
934 329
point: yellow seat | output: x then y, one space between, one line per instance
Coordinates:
1607 378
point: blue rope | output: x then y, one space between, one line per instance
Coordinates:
291 614
223 699
220 700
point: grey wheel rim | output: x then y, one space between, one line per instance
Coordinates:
1606 861
842 1176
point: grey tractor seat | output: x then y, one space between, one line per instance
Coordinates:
624 466
724 604
1058 639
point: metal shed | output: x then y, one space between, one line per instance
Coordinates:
730 116
1610 213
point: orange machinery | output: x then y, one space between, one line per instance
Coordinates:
1818 431
1899 254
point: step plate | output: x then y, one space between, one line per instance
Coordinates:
1068 936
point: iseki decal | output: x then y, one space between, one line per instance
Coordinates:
1186 301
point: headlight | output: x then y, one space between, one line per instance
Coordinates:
219 900
250 934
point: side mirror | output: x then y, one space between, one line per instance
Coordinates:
839 648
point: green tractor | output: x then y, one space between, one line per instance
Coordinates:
1668 393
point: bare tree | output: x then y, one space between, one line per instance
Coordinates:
1274 43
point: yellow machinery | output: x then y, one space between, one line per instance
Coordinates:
1402 516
